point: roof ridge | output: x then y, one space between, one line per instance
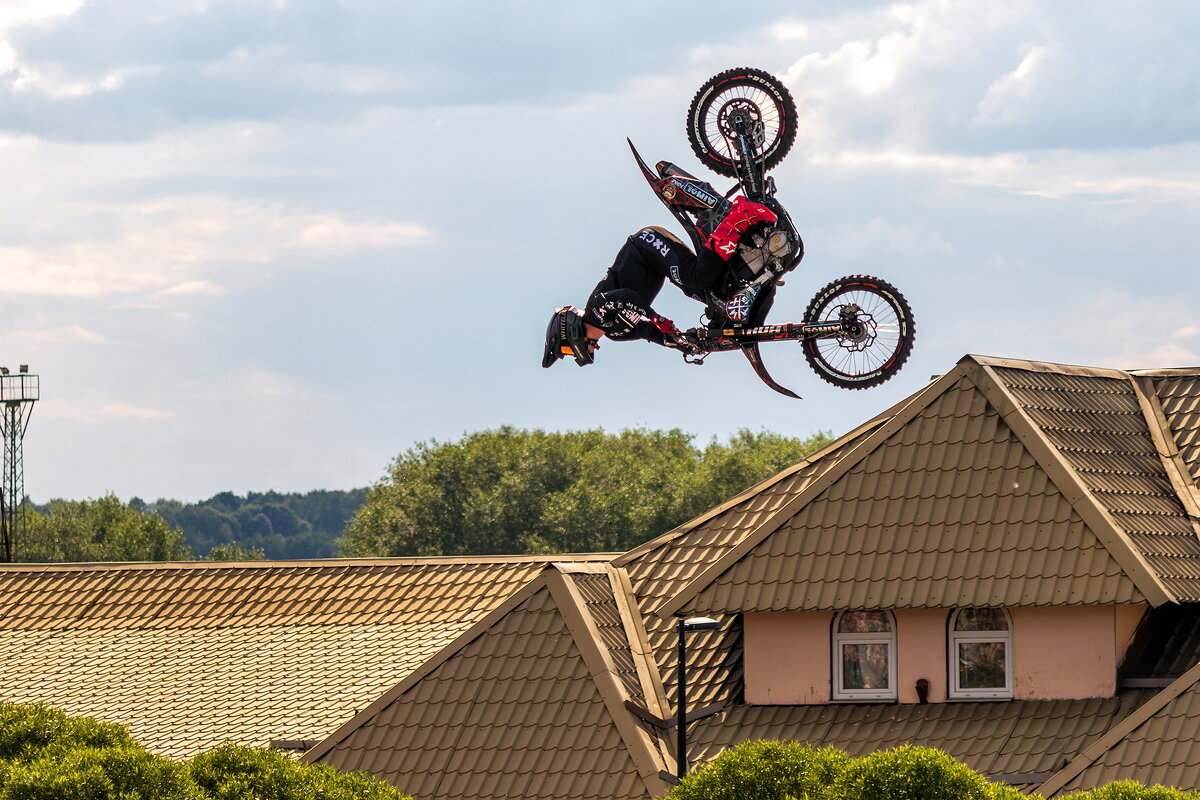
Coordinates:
1118 732
1167 372
393 561
752 491
1046 366
639 641
582 626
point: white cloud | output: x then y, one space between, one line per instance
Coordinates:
66 334
62 409
1007 99
1164 356
18 12
880 238
1164 174
1116 328
170 245
193 288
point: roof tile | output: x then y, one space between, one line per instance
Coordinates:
938 532
527 722
280 650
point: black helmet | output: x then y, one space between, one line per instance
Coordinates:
566 335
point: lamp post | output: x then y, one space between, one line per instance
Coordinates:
681 628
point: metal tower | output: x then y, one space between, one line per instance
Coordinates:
18 393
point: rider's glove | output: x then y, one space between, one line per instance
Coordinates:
742 214
673 337
665 325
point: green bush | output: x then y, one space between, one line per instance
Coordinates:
125 772
27 731
1131 790
48 755
764 770
914 773
772 770
235 772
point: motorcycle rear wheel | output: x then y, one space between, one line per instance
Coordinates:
881 347
743 88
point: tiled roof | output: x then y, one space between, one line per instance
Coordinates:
1180 397
1156 744
188 655
1002 483
1098 425
525 704
1020 742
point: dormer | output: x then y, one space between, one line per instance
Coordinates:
999 536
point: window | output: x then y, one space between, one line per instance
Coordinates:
980 653
864 656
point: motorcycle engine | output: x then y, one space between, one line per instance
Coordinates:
770 246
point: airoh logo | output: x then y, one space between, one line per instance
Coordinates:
695 192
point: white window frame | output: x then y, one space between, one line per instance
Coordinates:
886 638
954 637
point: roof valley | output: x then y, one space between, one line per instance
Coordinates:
1168 448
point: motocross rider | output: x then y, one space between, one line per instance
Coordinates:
620 305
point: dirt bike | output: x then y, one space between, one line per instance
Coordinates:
858 331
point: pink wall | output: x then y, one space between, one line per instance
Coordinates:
921 652
1064 653
787 658
1057 653
1127 621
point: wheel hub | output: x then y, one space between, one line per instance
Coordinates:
858 329
740 115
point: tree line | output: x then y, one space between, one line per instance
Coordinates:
501 491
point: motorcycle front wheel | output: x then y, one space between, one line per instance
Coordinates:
878 336
734 92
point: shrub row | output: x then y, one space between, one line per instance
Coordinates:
47 755
774 770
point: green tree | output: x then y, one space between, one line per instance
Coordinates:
104 529
234 552
530 491
282 525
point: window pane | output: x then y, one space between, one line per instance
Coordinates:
981 665
864 622
864 666
981 619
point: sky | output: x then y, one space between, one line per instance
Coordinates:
255 245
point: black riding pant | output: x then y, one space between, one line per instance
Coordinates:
620 305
